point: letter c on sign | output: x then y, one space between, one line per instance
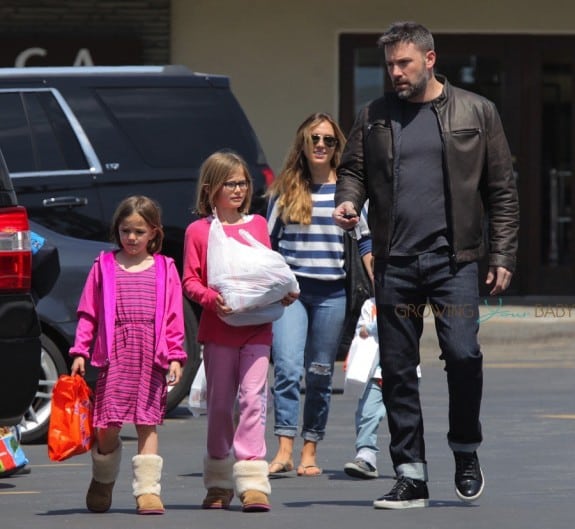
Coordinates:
22 58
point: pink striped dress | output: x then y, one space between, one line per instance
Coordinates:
132 389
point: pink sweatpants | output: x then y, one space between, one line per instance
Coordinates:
229 369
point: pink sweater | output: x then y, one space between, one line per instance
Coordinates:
212 329
97 312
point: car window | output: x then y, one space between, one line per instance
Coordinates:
35 134
15 139
180 127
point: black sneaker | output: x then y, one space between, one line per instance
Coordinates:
469 480
360 468
407 493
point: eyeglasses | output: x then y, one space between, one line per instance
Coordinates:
231 186
329 141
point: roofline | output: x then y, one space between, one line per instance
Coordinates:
170 69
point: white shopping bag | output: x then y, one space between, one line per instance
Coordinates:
197 400
363 358
249 277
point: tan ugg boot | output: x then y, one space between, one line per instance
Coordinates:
105 468
146 486
218 480
252 485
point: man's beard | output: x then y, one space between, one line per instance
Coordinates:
413 90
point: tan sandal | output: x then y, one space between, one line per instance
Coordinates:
309 470
281 467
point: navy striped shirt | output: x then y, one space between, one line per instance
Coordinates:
314 250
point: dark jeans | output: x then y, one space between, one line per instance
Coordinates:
403 286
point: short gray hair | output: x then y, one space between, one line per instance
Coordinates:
407 32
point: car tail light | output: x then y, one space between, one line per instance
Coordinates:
268 175
15 254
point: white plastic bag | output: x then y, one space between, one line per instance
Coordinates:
255 316
362 360
248 277
197 400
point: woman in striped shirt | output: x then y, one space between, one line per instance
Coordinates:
306 337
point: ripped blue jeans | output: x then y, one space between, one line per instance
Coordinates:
305 344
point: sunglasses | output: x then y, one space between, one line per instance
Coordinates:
231 186
329 141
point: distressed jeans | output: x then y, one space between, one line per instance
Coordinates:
403 286
305 343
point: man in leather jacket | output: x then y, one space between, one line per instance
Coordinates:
432 159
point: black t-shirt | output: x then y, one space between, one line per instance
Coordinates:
420 219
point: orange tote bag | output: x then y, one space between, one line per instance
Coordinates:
70 431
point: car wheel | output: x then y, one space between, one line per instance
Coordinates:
177 393
34 425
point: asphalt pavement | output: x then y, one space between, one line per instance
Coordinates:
528 418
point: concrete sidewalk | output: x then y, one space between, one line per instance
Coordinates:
528 329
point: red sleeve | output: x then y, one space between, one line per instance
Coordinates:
194 275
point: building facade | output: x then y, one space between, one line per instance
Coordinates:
288 59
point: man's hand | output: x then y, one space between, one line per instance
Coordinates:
501 276
345 216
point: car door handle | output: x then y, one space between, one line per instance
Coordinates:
68 202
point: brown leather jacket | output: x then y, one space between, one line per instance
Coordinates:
477 167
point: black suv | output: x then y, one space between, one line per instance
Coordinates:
79 140
19 324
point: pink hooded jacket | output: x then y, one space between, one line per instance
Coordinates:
97 311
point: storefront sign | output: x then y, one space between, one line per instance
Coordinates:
38 51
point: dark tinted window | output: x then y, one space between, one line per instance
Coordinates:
15 140
35 135
180 127
56 144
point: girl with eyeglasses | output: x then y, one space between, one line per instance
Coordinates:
307 337
236 359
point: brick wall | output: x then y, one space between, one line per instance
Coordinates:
145 21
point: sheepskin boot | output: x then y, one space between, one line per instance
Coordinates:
146 486
252 485
105 468
218 480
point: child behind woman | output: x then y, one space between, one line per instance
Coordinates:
130 317
370 408
235 358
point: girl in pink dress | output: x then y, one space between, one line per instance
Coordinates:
131 327
236 359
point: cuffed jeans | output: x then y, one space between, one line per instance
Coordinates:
306 340
403 286
369 413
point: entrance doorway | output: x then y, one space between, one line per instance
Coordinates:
530 79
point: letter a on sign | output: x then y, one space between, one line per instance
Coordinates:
83 58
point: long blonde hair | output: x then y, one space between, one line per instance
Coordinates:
293 184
